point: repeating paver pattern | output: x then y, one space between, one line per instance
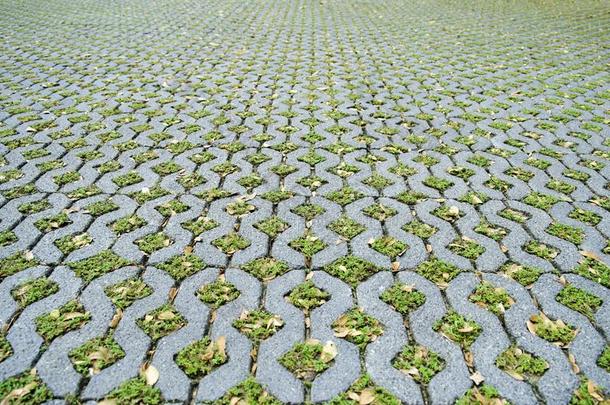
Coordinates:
367 202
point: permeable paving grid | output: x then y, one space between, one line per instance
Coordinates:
298 201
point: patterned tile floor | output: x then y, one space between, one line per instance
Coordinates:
294 201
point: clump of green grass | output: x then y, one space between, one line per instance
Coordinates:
357 327
458 329
31 291
579 300
95 355
556 332
307 296
161 322
437 271
308 359
494 299
98 265
200 358
127 292
217 293
351 269
265 268
62 320
419 363
520 364
403 298
258 325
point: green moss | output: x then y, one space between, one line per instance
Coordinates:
592 269
19 191
251 181
10 175
306 360
498 184
389 246
128 291
147 194
360 392
231 243
437 271
98 265
513 215
579 300
438 183
458 329
161 322
494 299
218 293
411 197
403 298
69 243
561 187
66 178
357 327
153 242
308 244
419 229
26 388
520 364
379 211
346 227
524 275
272 226
84 192
127 224
485 394
448 213
16 262
95 355
101 207
351 269
108 167
127 179
239 208
258 325
541 250
135 392
7 238
603 361
588 393
50 223
377 181
467 248
183 266
172 207
247 392
265 268
200 358
462 172
199 225
34 207
5 348
31 291
419 363
542 201
553 331
68 317
345 196
588 217
308 211
166 168
307 296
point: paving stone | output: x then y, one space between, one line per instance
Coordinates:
188 125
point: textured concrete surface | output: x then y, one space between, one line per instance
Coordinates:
445 146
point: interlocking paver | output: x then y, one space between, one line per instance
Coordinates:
452 148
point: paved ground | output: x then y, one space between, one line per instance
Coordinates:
304 201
